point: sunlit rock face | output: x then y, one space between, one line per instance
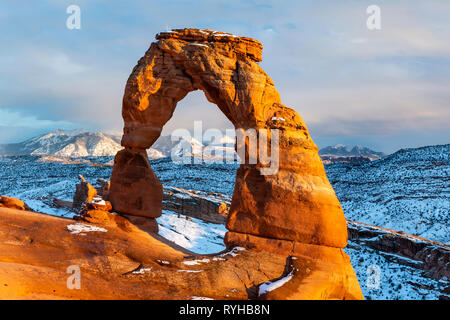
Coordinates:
295 204
13 203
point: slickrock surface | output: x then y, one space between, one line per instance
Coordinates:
117 260
295 205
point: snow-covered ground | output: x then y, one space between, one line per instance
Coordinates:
190 233
407 191
382 278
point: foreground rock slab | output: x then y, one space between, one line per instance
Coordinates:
117 260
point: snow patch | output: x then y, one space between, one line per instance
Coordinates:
81 228
233 252
198 44
196 262
98 201
269 285
142 270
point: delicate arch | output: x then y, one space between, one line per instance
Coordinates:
296 204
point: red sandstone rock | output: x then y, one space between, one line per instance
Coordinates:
13 203
145 224
84 193
207 207
298 203
103 190
117 261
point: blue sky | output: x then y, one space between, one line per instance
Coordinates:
386 89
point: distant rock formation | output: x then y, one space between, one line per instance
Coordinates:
209 207
292 212
84 193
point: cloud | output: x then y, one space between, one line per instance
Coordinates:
342 78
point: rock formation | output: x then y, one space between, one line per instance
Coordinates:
210 207
294 211
84 193
135 189
13 203
117 260
296 204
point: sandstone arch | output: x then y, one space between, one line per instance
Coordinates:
297 204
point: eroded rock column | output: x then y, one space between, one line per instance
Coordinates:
135 188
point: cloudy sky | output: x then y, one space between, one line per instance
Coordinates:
386 89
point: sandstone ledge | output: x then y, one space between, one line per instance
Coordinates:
248 46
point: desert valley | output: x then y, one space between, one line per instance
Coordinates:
261 215
394 222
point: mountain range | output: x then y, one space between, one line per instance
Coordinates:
80 143
341 150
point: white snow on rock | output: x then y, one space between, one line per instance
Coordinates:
192 271
278 119
269 285
222 34
233 252
99 201
198 44
196 262
407 190
142 270
82 229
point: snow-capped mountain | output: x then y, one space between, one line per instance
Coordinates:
341 150
178 146
77 143
80 143
181 147
408 190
